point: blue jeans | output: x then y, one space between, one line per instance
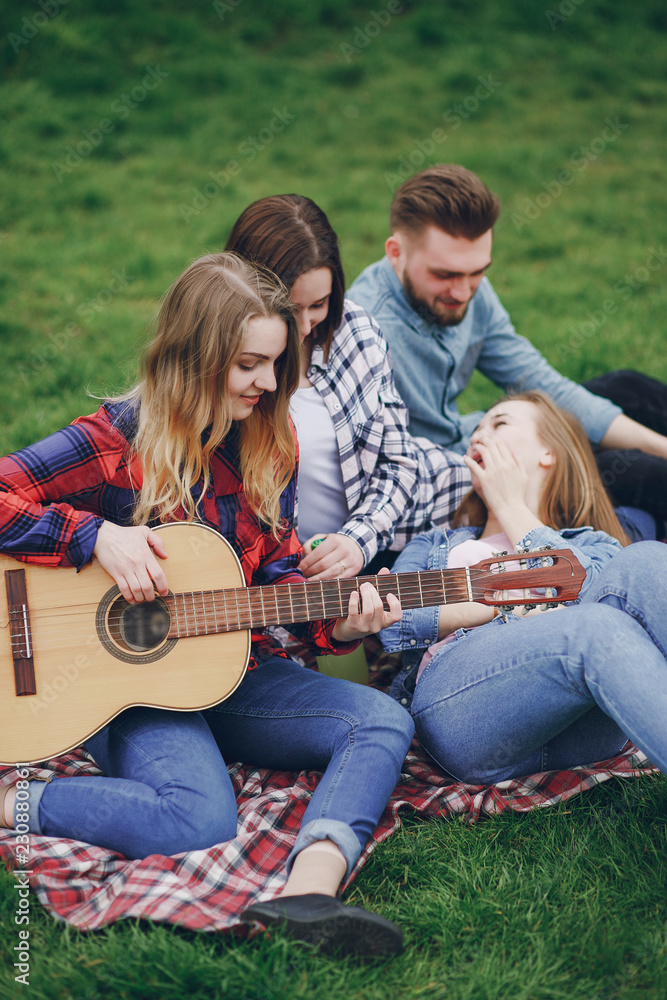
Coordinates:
166 788
523 695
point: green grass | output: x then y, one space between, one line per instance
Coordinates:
566 902
138 205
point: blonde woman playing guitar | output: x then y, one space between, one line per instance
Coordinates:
205 436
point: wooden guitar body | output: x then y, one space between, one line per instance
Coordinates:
85 673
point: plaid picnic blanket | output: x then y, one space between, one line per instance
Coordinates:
206 890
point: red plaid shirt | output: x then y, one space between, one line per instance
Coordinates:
55 494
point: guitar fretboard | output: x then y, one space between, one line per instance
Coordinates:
202 612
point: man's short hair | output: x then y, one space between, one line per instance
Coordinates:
447 196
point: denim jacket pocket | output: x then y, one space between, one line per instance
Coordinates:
403 685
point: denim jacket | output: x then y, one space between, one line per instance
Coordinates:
418 628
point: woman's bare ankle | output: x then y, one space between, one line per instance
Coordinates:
7 802
319 868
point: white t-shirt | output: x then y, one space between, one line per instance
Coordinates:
320 493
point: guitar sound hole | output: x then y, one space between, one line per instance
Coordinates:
141 627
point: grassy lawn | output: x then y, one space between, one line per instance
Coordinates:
133 135
564 903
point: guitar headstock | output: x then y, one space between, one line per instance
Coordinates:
559 572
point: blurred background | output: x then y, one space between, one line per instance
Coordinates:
135 132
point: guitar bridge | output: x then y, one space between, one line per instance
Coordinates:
19 630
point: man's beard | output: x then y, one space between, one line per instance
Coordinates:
424 310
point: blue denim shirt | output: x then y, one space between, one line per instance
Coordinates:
433 364
418 628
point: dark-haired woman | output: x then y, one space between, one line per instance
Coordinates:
364 482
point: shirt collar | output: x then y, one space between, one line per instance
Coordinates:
395 284
317 358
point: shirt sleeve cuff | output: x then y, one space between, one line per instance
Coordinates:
82 543
335 646
538 537
601 419
364 536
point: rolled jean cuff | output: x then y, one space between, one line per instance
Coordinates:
30 817
342 835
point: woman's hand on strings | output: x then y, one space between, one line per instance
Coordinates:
337 557
366 613
128 554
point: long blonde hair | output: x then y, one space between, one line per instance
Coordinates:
184 411
573 494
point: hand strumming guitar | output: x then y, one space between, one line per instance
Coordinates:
128 554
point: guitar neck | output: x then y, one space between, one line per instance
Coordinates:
506 579
213 611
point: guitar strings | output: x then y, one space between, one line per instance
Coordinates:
423 593
408 584
206 617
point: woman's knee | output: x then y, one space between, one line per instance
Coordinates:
193 825
643 559
377 717
216 821
638 569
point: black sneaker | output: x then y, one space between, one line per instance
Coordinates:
329 925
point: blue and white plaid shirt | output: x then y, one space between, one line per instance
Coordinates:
395 485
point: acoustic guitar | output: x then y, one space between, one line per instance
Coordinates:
74 653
